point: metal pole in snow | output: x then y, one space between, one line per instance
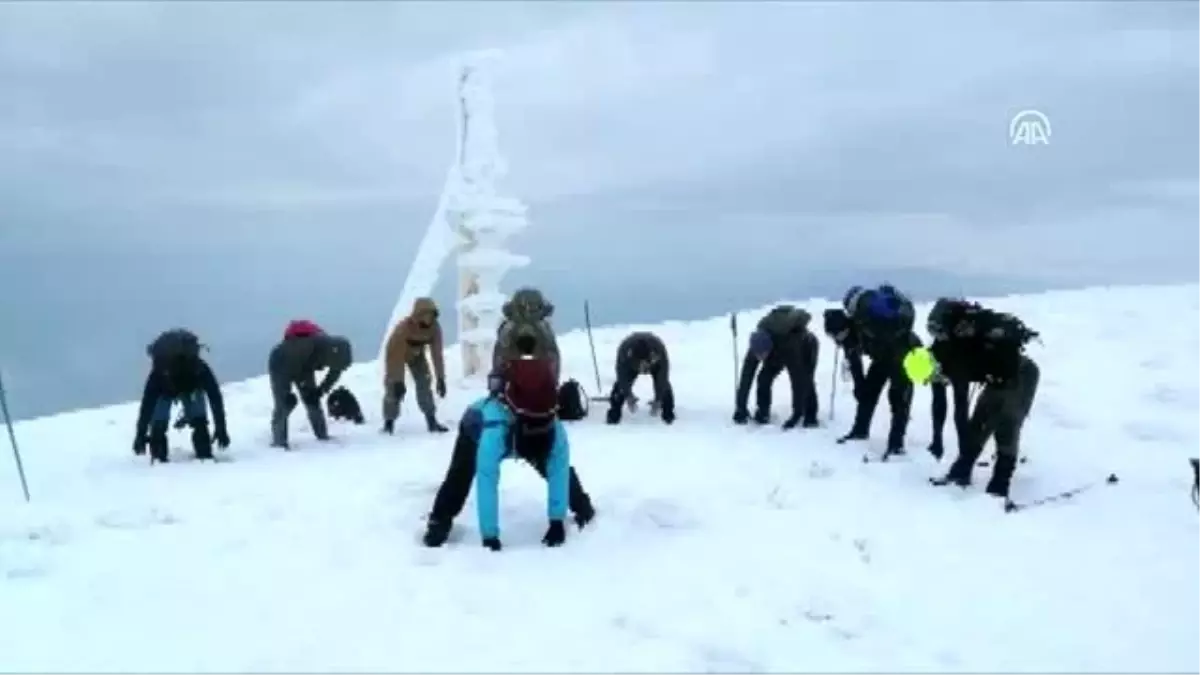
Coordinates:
12 438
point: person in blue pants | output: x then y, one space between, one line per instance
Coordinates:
516 420
179 374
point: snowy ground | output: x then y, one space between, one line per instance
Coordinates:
716 548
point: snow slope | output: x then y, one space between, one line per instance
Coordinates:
716 548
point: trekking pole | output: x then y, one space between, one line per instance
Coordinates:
587 321
833 378
12 439
1010 506
734 332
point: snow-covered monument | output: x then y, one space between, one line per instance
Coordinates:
472 223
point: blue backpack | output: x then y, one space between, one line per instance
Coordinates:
888 314
883 303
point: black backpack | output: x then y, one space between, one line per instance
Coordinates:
572 401
175 345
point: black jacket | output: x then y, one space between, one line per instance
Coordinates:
173 382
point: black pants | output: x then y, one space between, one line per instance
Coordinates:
900 392
766 379
1001 411
456 486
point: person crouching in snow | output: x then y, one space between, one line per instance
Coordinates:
518 419
293 363
781 341
406 351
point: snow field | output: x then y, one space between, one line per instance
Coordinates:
715 548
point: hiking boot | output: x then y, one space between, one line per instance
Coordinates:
435 427
1001 476
960 472
389 427
158 448
202 442
436 533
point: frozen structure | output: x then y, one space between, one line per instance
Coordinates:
473 221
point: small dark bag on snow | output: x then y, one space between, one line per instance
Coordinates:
572 401
343 405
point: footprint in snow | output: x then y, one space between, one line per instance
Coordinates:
415 489
29 572
42 535
1162 395
664 515
1150 432
818 471
136 520
864 551
715 659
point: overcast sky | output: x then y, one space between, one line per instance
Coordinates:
230 165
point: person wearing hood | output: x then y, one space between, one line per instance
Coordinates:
526 314
781 341
406 351
294 362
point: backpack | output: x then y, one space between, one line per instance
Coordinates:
784 320
177 344
531 393
301 328
1002 328
884 314
572 401
995 329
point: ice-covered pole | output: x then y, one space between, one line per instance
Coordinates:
473 221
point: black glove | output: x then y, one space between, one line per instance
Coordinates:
491 543
556 534
791 422
741 416
441 388
857 393
221 437
139 445
398 390
582 518
290 401
668 415
310 397
614 415
762 417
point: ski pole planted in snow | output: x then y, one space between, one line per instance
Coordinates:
12 439
587 322
733 331
1195 481
833 382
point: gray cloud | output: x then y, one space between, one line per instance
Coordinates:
235 164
